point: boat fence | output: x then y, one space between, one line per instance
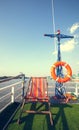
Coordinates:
12 91
70 87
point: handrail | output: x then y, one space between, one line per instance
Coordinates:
9 86
12 77
15 92
69 87
5 96
11 93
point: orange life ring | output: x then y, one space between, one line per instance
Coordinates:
61 79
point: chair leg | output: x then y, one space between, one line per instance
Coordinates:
51 120
19 119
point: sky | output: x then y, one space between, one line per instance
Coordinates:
23 47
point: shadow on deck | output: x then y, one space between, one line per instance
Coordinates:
6 114
60 115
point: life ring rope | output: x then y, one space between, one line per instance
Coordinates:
61 79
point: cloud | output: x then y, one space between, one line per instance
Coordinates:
74 27
68 45
78 63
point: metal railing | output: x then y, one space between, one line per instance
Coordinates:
12 91
15 91
70 87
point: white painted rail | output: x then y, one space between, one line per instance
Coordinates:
11 93
71 87
15 91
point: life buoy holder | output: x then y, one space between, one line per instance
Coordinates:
61 79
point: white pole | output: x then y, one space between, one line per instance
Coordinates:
12 95
23 87
22 90
76 90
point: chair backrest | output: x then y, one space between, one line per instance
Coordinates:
38 87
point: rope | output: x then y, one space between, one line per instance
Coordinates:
53 18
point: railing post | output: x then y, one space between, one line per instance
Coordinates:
12 94
76 90
23 87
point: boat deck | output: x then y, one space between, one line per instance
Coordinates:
65 116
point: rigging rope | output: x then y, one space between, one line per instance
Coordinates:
53 23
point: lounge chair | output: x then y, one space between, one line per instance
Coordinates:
37 92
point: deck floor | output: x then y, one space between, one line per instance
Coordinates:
65 116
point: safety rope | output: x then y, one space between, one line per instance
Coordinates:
53 19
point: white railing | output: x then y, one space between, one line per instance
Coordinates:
70 87
11 93
15 92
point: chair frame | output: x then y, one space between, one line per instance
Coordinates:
30 99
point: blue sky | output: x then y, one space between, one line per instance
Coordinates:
23 47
